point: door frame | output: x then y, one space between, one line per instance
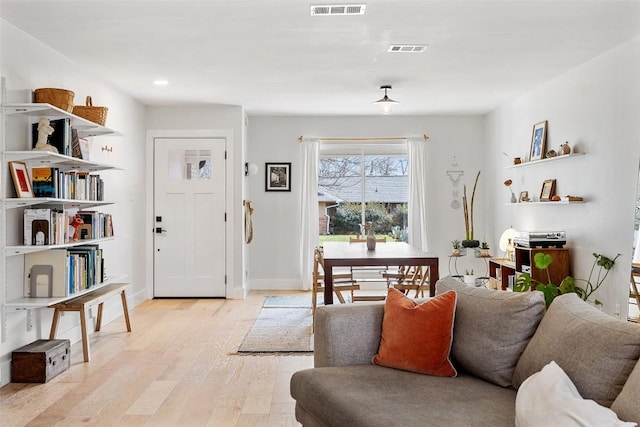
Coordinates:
227 134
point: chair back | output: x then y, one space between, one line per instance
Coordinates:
361 240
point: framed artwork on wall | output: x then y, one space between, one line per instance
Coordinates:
278 177
548 190
538 141
21 179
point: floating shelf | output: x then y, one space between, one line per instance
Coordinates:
27 303
549 159
85 127
13 203
23 249
48 159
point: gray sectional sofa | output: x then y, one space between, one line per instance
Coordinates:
499 340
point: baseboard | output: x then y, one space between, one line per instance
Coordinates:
274 285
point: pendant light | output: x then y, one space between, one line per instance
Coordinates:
386 103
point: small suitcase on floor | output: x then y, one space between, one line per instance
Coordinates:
40 361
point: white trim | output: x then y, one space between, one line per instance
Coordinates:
228 134
274 284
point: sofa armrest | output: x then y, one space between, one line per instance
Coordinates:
347 334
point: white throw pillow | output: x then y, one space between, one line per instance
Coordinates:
549 398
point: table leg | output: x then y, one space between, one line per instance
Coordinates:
328 283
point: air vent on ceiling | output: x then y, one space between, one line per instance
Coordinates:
337 9
404 48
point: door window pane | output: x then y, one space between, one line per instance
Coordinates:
189 165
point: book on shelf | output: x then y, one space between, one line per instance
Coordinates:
44 182
46 227
60 138
63 272
37 227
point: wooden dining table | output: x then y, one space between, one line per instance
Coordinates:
345 254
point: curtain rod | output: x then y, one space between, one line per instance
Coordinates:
391 138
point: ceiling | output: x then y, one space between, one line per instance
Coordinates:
273 57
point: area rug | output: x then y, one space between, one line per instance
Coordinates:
280 328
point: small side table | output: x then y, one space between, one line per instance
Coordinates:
453 264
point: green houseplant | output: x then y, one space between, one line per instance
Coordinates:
469 241
524 282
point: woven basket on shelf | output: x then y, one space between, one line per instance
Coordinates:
61 98
95 114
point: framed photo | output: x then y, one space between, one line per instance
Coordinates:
21 179
538 141
524 196
278 177
548 190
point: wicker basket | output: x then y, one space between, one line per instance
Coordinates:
61 98
95 114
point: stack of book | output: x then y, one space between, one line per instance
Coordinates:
63 272
74 185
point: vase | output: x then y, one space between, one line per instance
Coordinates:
371 240
513 198
470 279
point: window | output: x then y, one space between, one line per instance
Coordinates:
358 183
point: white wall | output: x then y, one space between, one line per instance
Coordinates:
596 107
210 118
29 64
274 252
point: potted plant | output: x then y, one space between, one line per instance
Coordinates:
469 241
483 251
469 277
457 248
524 282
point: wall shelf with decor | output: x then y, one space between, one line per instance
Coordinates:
545 160
561 202
64 196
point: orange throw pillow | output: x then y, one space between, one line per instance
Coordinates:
418 337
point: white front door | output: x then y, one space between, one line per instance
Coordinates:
189 217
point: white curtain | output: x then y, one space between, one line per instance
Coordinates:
309 210
417 193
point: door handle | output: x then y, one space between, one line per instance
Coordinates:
160 230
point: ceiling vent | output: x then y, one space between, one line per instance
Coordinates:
337 9
407 48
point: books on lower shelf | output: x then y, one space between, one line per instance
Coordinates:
47 226
63 272
74 185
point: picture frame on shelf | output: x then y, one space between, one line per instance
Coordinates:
278 177
538 141
524 196
21 179
548 190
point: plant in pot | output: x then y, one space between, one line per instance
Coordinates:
469 241
524 282
483 252
457 248
469 277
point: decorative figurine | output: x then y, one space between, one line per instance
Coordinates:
44 130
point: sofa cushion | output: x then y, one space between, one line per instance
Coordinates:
375 396
549 398
491 329
417 337
597 351
626 404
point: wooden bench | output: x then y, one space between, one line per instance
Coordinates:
80 304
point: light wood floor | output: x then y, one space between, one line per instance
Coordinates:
177 367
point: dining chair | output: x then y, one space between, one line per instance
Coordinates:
409 278
366 272
342 281
364 240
